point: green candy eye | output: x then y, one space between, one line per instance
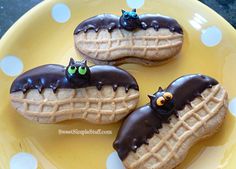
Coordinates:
72 70
82 70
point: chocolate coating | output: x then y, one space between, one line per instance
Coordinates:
186 88
158 21
147 120
103 21
111 22
54 76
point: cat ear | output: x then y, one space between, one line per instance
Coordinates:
72 61
151 96
123 11
134 10
84 62
160 89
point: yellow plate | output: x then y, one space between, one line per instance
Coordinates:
44 35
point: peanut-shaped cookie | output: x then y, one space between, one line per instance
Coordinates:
53 93
147 39
159 134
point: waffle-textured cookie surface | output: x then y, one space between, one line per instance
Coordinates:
96 106
196 121
141 46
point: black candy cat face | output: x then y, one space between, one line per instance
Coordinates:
129 20
77 72
162 102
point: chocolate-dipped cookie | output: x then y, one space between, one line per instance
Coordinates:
159 134
53 93
147 39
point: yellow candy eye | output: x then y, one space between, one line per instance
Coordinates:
167 95
160 101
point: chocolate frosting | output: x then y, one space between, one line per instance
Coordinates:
103 21
158 21
145 21
145 121
54 76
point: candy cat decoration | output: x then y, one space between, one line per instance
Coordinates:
53 93
78 71
130 20
163 104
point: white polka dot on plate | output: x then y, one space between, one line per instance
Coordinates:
23 161
232 106
61 13
135 3
11 65
211 36
114 162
